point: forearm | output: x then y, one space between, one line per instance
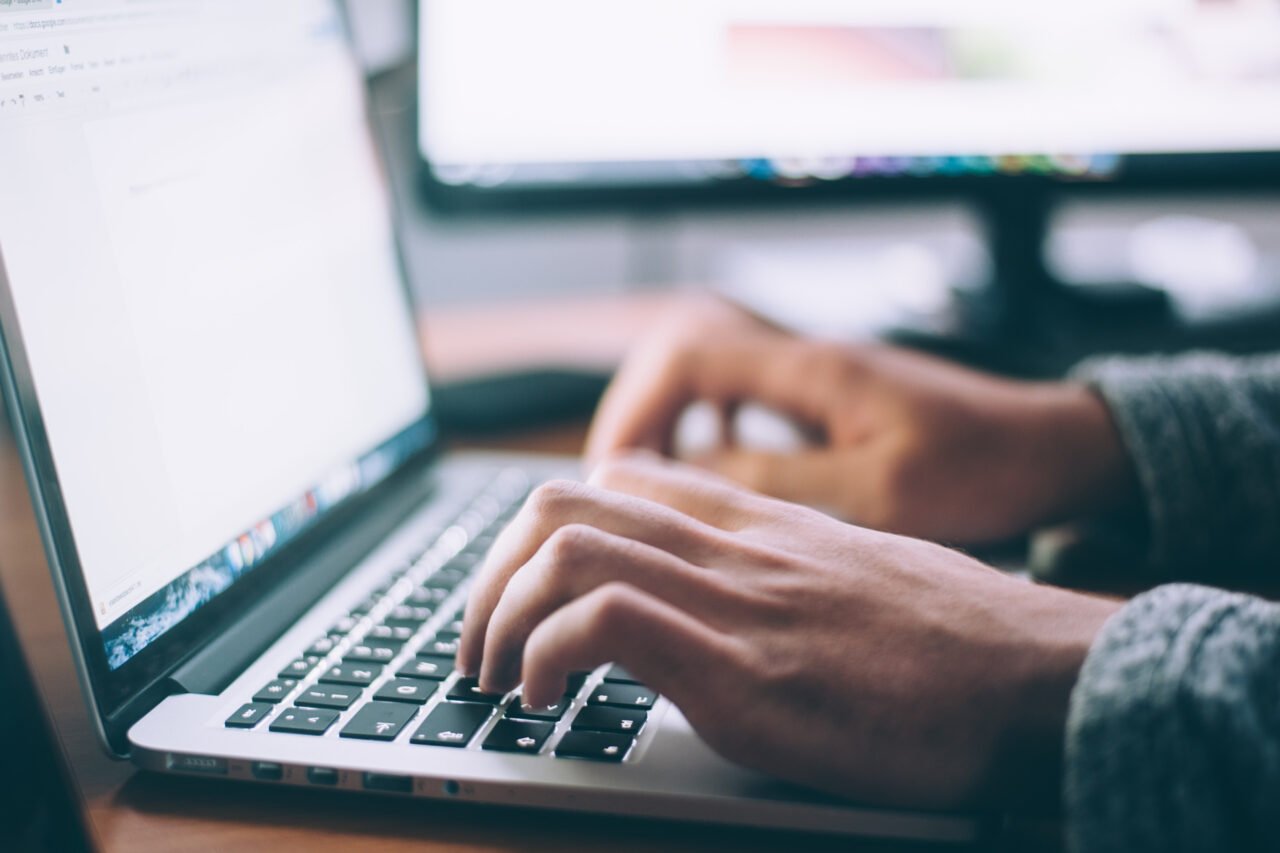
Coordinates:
1173 737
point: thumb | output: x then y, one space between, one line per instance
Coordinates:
643 403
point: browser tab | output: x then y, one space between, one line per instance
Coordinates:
27 5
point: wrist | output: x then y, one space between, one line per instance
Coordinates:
1027 762
1074 442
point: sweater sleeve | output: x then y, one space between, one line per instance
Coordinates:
1203 432
1173 735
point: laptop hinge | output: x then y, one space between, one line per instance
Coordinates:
223 658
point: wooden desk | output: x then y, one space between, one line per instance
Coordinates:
135 811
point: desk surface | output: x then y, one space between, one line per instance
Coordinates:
135 811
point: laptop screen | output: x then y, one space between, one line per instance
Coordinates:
198 245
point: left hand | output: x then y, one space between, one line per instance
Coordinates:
903 442
869 665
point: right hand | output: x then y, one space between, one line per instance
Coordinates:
907 442
871 666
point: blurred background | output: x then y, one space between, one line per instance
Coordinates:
1017 190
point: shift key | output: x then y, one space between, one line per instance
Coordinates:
451 724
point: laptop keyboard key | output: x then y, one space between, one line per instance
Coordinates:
412 690
594 746
276 690
518 736
446 645
358 674
451 724
398 633
427 597
345 625
468 690
623 696
574 684
379 721
434 591
328 696
300 667
517 712
623 721
322 646
364 653
449 577
249 715
407 615
431 667
304 721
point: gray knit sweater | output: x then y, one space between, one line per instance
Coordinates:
1173 737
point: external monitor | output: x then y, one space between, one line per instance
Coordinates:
1008 103
573 95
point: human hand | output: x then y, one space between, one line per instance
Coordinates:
865 664
906 442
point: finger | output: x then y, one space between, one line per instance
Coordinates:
641 406
552 506
813 477
667 649
574 561
698 493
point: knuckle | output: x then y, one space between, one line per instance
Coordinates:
553 497
568 545
611 605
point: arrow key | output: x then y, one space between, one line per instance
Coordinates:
379 721
518 736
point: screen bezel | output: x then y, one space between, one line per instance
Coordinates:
1137 172
1228 171
119 697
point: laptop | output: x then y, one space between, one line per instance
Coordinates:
260 548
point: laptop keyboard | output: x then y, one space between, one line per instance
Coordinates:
379 674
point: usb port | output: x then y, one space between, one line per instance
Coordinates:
268 771
386 782
322 776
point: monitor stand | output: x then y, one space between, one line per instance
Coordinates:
1028 322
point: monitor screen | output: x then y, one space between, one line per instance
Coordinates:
198 246
578 91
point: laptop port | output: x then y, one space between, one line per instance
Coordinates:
322 776
386 782
268 771
198 764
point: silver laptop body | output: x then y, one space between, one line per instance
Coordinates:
211 365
